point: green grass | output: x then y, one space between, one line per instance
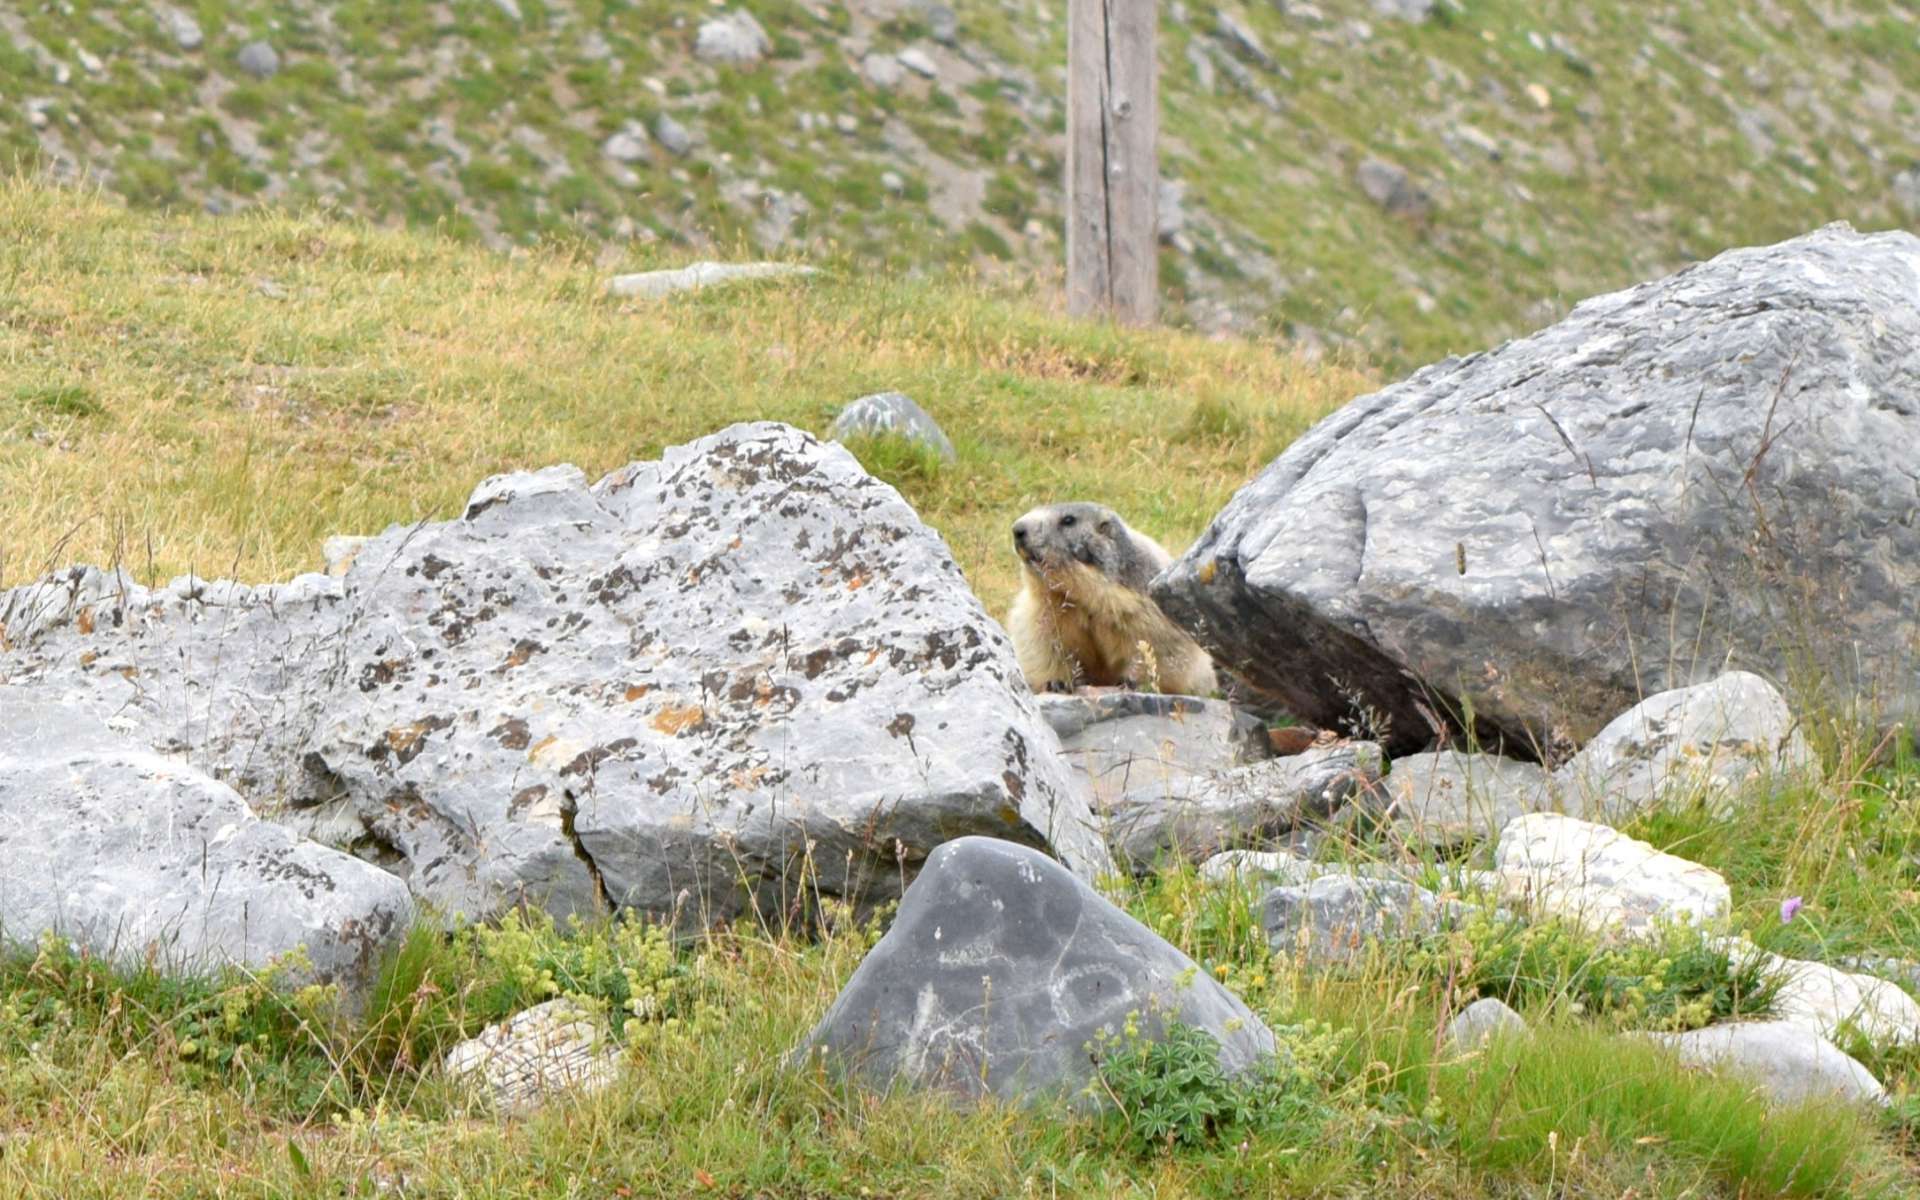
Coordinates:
1588 192
221 395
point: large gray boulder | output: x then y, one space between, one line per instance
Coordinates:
695 687
1710 470
999 972
140 858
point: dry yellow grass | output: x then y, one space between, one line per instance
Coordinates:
219 395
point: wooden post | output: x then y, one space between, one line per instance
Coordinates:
1113 167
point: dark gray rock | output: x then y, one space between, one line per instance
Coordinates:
1000 969
682 689
1706 471
1389 186
1790 1063
1338 920
1486 1018
891 414
673 137
1195 817
1241 40
259 60
141 858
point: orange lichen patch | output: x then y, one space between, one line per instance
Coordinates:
635 691
858 582
873 654
129 672
1010 814
89 658
1207 571
543 744
520 655
674 720
747 778
734 544
406 739
85 620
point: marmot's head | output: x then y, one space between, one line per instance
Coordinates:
1052 539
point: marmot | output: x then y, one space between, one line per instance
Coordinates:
1083 616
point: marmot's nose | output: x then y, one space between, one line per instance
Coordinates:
1020 533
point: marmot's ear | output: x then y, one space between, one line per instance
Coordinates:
1106 528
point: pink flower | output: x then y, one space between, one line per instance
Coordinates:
1788 907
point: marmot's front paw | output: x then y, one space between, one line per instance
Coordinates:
1057 687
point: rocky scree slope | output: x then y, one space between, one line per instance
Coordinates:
1423 175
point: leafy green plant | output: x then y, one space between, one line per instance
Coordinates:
1171 1091
1678 980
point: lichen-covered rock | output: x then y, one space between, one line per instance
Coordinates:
1486 1018
1603 879
1695 744
1338 920
1710 470
999 972
1443 799
1790 1062
141 858
682 689
891 414
1196 816
538 1055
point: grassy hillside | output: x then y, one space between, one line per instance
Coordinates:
219 394
1550 149
222 395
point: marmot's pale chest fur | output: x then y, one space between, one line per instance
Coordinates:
1083 617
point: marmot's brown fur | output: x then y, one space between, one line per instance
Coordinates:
1083 617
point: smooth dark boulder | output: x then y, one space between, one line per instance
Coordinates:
1710 471
998 972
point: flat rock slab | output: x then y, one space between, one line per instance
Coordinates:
1603 879
999 971
537 1056
1444 799
1196 816
652 285
1339 920
1703 744
1711 469
682 689
1791 1063
139 857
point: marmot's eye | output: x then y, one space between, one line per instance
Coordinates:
1067 521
